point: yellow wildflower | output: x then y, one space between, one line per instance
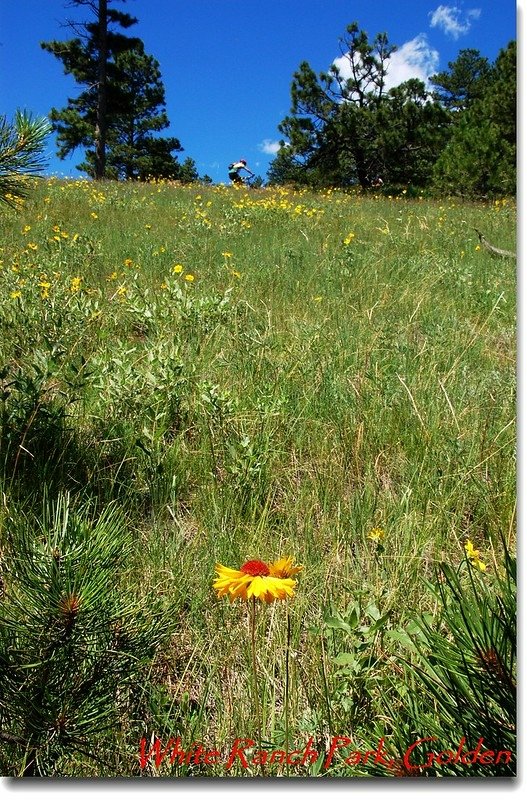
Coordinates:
45 286
473 556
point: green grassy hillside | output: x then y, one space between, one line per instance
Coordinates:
199 376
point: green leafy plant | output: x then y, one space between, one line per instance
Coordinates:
36 397
354 648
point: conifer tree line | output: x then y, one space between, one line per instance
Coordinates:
345 126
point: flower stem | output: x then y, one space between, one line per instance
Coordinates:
255 681
288 645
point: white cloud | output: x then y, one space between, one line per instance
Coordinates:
452 21
415 59
269 147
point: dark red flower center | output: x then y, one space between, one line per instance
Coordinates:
255 568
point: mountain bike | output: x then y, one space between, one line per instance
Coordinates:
253 182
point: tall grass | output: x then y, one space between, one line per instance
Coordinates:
250 374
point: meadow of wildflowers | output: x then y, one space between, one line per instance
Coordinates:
241 375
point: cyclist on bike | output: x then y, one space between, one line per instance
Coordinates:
236 167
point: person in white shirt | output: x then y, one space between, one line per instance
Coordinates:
235 169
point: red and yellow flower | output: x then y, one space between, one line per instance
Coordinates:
255 578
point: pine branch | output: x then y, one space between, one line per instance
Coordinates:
21 144
10 738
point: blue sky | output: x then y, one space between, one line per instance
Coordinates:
227 65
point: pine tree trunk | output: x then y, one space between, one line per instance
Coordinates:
100 125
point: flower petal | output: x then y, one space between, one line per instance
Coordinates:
284 567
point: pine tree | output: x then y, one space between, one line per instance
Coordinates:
346 127
411 131
122 104
88 58
188 172
77 640
329 129
464 82
480 158
136 110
